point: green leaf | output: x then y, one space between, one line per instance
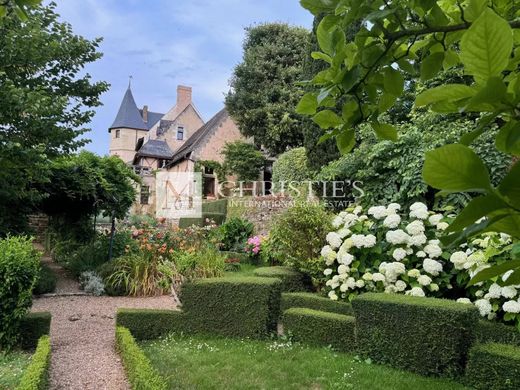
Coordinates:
489 98
385 131
327 119
515 251
350 78
493 271
508 138
318 55
450 92
431 65
324 34
317 7
394 82
509 223
308 104
387 100
477 208
455 168
346 140
509 187
475 9
467 139
486 46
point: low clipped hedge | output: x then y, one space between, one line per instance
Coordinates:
321 328
36 375
217 206
494 366
426 335
33 326
139 370
233 306
495 332
218 218
292 280
46 281
313 301
149 324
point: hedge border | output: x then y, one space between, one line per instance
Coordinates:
315 302
496 332
494 366
36 376
292 280
33 327
149 324
321 328
141 375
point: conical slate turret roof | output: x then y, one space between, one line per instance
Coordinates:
128 115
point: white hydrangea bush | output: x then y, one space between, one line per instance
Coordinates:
391 250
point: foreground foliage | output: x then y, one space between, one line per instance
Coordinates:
214 363
12 367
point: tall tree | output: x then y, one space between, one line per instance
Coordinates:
263 99
45 101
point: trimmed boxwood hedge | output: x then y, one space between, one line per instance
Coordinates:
495 332
149 324
314 301
36 375
426 335
188 222
321 328
233 306
139 370
494 366
292 280
33 327
217 206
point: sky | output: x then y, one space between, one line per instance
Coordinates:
164 43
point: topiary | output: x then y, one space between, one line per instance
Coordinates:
291 166
46 281
19 268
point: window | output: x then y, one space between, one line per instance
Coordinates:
208 171
180 133
145 194
118 133
160 163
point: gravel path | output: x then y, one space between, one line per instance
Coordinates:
82 335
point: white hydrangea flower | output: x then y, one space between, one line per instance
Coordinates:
343 277
505 238
419 210
360 283
351 283
399 254
414 273
367 276
464 300
350 219
424 280
433 267
434 287
397 237
343 269
484 307
495 291
392 221
511 307
414 228
393 207
390 289
392 270
378 212
357 210
442 226
435 219
344 257
334 240
474 259
400 285
343 287
420 254
479 294
433 249
362 241
337 221
507 275
344 232
459 259
508 292
416 292
327 272
378 277
347 244
418 240
333 295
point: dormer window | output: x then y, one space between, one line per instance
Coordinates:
118 133
180 133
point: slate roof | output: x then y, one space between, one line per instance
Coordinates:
129 116
155 148
197 137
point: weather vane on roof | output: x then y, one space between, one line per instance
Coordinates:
130 81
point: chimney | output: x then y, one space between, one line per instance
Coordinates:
183 97
145 114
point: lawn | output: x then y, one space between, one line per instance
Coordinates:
218 363
12 366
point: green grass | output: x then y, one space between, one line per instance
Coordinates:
218 363
12 366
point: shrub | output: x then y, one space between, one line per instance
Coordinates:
92 283
46 281
292 166
426 335
139 370
299 234
19 268
206 219
321 328
207 262
216 206
33 326
235 232
36 375
292 280
494 366
488 331
313 301
149 324
235 306
243 159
